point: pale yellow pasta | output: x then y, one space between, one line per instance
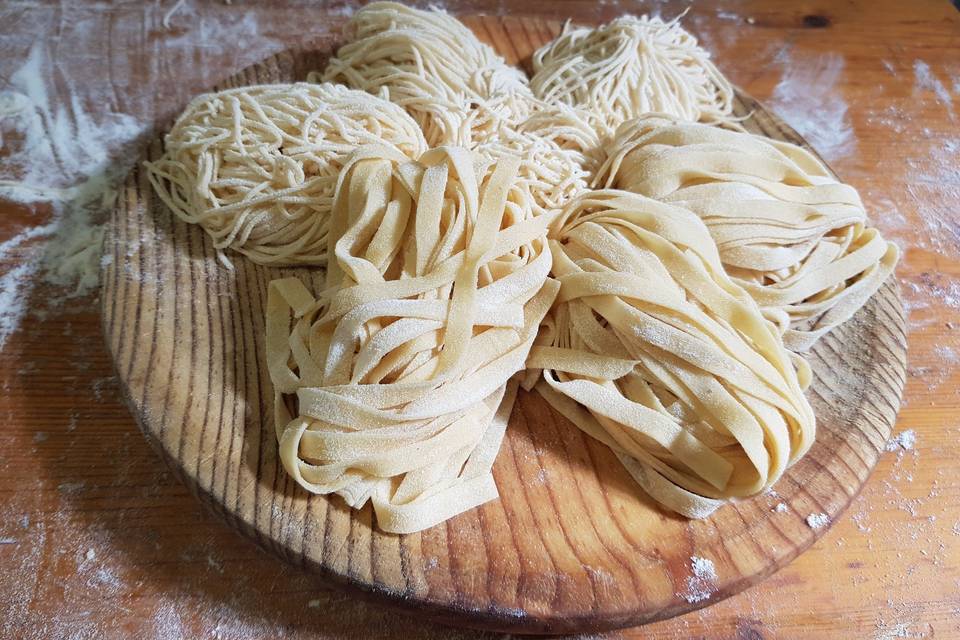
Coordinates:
654 351
629 67
462 93
256 167
436 285
577 132
550 175
787 231
449 201
457 88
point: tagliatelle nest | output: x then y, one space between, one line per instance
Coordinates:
787 231
401 367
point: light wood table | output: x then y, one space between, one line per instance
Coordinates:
97 540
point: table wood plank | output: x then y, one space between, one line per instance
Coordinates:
99 541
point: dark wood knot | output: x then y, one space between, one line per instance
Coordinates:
814 21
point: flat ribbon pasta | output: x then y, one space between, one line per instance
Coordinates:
651 349
400 366
256 167
457 88
787 231
629 67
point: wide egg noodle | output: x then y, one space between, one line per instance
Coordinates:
788 232
401 366
654 351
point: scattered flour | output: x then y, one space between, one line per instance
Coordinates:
167 622
15 284
781 507
700 585
905 441
170 12
926 80
818 520
63 160
809 99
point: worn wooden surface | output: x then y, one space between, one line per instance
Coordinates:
187 337
99 541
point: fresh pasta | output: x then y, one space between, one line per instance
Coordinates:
654 351
400 366
457 88
577 133
549 175
630 67
653 275
256 167
787 231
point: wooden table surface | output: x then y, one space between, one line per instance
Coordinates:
97 540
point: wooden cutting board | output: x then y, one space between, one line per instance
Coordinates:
571 545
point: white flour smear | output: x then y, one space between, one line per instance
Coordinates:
927 80
809 99
904 441
60 157
818 520
66 145
935 185
702 583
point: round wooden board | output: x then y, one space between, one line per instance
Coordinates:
571 545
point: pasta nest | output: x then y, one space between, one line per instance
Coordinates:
456 88
787 230
629 67
257 167
654 351
401 365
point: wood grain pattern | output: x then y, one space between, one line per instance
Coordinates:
572 545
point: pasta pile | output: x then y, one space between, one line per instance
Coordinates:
435 288
573 130
548 174
788 232
653 273
460 92
456 88
256 167
630 67
654 351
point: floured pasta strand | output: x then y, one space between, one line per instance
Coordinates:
256 167
575 131
457 88
629 67
551 176
392 383
788 232
651 349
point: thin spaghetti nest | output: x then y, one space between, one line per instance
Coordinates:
256 167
